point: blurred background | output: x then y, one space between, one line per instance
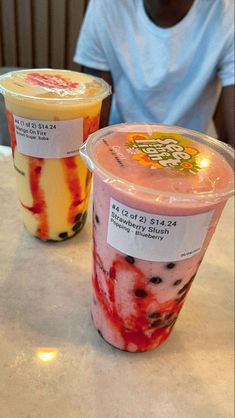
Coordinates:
37 34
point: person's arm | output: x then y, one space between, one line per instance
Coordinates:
224 115
106 105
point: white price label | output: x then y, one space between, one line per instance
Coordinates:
48 139
156 237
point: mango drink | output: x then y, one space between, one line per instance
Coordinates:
158 194
50 113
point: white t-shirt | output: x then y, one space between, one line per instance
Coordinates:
167 75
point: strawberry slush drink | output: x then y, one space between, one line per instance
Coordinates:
158 195
50 113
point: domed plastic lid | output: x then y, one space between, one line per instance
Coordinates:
51 85
170 161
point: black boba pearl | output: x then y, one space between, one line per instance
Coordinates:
169 315
140 293
170 266
193 277
181 299
79 224
171 323
77 217
130 259
98 330
156 280
154 315
177 282
156 324
76 226
63 235
182 290
97 219
186 286
84 216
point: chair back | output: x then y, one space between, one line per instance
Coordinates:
39 33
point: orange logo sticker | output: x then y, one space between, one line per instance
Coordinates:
163 150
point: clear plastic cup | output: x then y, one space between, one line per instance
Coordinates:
158 194
50 113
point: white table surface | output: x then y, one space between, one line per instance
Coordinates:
44 307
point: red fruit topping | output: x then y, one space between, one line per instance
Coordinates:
55 81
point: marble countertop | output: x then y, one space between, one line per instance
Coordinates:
55 365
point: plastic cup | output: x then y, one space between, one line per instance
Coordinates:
50 113
158 194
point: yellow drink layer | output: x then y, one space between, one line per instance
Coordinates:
53 192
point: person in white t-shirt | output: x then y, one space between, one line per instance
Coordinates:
166 60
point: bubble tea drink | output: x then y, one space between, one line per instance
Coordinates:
158 194
50 113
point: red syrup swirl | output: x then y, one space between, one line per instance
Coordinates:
35 167
39 208
138 328
90 125
11 128
72 180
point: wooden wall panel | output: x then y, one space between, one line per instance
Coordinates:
24 33
1 56
40 31
75 13
1 61
8 32
57 15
